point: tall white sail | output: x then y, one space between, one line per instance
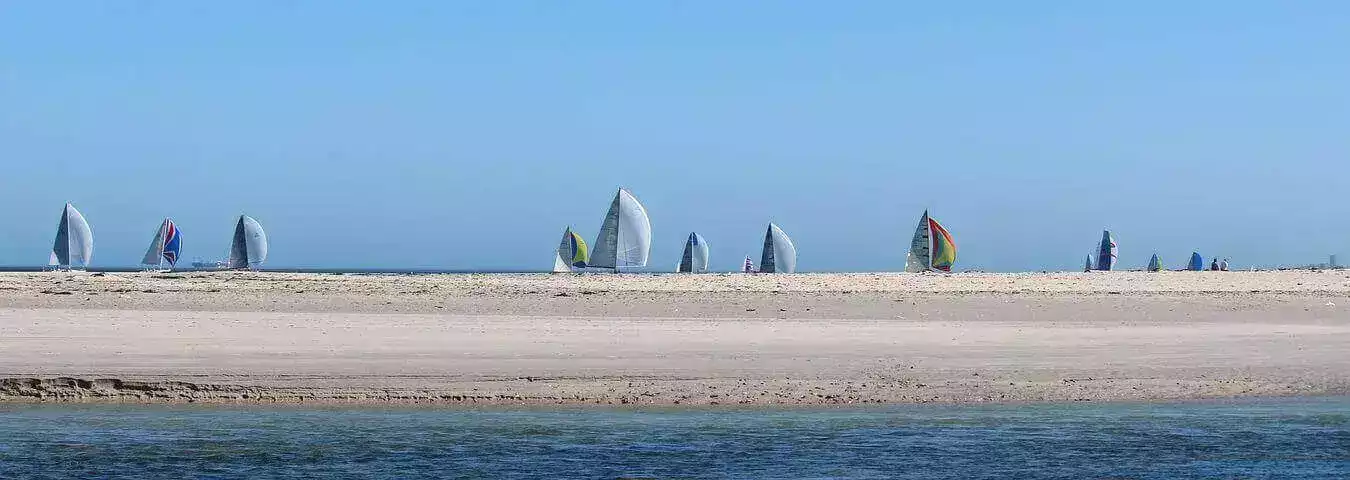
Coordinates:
74 244
779 255
625 238
249 248
695 258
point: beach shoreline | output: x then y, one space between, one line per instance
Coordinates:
671 340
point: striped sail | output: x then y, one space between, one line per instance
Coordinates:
920 257
1155 264
748 266
779 255
1197 262
248 250
166 246
695 258
74 244
571 252
1107 252
625 238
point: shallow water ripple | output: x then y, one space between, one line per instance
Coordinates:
1302 438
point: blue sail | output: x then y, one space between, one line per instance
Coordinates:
1197 263
1107 252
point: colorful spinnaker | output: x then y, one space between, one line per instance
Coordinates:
249 248
1155 264
1107 252
165 247
625 238
932 247
695 258
74 245
748 266
1197 262
571 253
779 255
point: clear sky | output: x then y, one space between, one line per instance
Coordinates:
469 134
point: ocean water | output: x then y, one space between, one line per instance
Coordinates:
1298 438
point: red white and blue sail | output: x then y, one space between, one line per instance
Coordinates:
166 247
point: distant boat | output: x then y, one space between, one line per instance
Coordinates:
249 248
165 247
74 245
571 253
780 255
1107 252
1155 264
932 247
625 238
748 266
1088 267
695 258
1197 262
205 265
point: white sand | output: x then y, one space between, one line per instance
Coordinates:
725 339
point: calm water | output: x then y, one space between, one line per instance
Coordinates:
1307 438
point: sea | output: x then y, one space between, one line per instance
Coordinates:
1304 438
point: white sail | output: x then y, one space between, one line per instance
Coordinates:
249 248
155 254
779 255
559 266
74 245
625 238
695 257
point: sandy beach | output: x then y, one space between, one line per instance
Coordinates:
672 339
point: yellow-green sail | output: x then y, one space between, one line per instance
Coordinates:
580 256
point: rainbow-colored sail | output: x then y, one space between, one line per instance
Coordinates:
944 249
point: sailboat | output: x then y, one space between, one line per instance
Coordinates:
165 247
1155 264
571 253
780 255
748 266
625 238
74 245
695 258
932 247
1088 266
1107 252
1197 262
249 248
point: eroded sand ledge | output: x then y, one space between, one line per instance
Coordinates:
668 339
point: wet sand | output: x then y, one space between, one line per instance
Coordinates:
672 339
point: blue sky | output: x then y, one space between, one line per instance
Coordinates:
468 134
